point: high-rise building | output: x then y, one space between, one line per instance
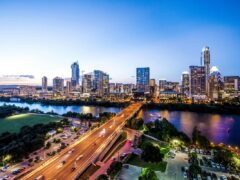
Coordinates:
75 74
58 84
152 86
197 80
112 87
68 87
143 76
127 88
232 85
162 84
215 84
206 61
44 84
165 85
119 87
185 83
100 83
87 83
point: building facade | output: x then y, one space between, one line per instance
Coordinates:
58 84
87 83
44 84
206 61
75 74
232 85
185 83
100 83
142 79
215 84
197 81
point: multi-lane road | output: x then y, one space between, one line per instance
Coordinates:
77 157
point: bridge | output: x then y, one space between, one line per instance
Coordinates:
85 151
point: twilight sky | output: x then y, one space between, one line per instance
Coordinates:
45 37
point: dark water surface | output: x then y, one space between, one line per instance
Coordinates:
218 128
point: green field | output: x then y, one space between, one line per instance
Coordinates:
14 123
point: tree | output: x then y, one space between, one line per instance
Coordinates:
148 174
102 177
198 139
151 153
114 168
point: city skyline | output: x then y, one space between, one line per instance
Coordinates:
43 39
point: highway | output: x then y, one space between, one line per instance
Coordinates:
83 152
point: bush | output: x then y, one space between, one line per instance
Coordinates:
102 177
151 153
148 174
114 168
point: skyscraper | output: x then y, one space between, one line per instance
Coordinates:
58 84
152 87
75 74
100 83
185 83
87 83
68 87
44 84
215 84
206 61
197 80
143 76
232 85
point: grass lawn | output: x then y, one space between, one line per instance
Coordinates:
136 161
15 122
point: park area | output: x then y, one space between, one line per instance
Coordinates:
15 122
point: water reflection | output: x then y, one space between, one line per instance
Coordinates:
218 128
95 110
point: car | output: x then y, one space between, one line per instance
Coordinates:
41 177
79 157
73 169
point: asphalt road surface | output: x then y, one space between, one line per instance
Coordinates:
84 151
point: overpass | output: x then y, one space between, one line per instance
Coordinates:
85 151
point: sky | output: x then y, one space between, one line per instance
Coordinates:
43 38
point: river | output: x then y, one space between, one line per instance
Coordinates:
218 128
95 110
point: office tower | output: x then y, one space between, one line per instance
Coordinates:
112 87
100 83
206 61
119 88
68 87
152 86
162 84
197 81
127 88
215 84
143 76
185 83
87 83
58 84
75 74
44 84
231 85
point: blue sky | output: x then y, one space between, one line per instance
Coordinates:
45 37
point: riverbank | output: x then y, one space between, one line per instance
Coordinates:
199 108
68 102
